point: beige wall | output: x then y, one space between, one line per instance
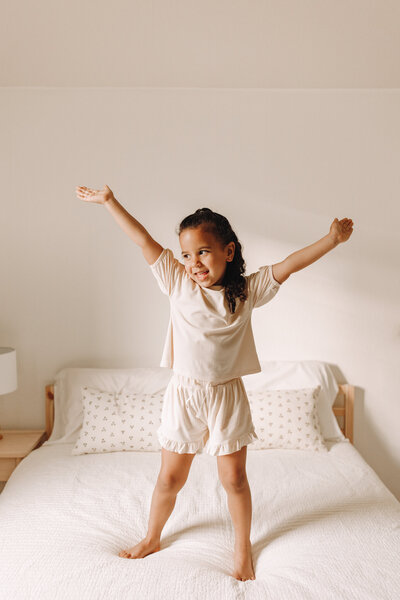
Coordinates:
280 164
207 43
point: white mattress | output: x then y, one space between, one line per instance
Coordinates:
324 527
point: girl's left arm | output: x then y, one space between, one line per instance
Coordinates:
340 231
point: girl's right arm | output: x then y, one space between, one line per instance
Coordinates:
150 248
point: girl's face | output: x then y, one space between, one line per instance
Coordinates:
202 252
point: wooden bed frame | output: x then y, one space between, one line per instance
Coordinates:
343 409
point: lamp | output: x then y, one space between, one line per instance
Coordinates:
8 371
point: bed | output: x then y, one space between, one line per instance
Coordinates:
324 526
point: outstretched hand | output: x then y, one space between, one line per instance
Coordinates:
340 231
97 196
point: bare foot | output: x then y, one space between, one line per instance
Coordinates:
243 563
141 549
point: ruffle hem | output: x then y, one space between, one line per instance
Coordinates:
213 449
179 447
232 445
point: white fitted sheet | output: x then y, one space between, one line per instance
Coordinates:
324 527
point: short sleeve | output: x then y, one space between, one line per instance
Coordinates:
167 270
262 286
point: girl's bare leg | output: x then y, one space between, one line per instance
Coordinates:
232 473
172 477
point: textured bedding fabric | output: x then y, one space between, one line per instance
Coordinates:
324 528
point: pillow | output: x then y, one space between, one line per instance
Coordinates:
68 414
286 419
118 421
291 374
68 409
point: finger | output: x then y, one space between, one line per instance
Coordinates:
85 195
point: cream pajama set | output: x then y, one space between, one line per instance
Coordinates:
209 349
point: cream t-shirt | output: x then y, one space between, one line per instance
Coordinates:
204 339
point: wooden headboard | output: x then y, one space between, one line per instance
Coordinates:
343 409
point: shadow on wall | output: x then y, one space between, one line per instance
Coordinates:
366 437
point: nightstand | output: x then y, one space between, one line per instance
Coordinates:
15 445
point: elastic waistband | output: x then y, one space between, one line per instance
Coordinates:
187 380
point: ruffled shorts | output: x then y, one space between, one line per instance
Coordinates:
199 415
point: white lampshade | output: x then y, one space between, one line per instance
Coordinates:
8 370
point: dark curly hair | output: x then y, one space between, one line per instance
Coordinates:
234 280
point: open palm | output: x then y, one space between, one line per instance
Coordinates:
97 196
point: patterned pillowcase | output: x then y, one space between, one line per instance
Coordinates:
286 419
118 421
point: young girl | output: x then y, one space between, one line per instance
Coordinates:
209 346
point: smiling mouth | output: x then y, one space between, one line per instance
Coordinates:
202 275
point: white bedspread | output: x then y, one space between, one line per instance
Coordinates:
324 528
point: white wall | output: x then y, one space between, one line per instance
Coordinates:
212 43
280 164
